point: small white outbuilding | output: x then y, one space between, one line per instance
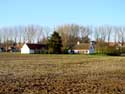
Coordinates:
32 48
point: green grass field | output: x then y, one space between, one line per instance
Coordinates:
61 74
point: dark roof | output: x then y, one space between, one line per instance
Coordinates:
36 46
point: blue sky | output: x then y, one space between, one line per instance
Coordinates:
57 12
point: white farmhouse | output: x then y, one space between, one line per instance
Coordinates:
84 48
32 48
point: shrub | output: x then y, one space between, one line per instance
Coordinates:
113 51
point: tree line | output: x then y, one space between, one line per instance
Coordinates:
70 34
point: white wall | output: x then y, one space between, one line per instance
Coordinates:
25 49
91 51
82 51
32 51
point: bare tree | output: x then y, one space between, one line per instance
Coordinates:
1 34
109 31
116 34
30 33
97 33
39 33
69 34
63 31
85 31
121 35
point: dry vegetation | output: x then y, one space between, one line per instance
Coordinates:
61 74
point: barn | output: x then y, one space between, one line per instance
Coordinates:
29 48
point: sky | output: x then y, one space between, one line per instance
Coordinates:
57 12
